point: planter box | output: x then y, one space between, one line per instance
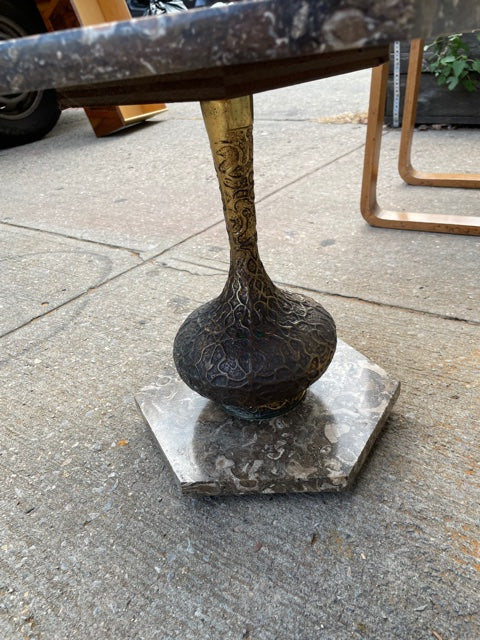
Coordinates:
436 105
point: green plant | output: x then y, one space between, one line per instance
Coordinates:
450 59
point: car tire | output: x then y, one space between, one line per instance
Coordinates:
24 117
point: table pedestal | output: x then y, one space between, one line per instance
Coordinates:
259 413
255 349
318 446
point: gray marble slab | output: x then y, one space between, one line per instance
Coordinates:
318 446
239 33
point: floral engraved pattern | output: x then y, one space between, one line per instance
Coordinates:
255 348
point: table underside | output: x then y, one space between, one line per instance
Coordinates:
219 83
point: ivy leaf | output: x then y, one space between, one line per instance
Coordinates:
452 82
469 84
450 60
458 66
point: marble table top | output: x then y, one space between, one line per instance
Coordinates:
244 33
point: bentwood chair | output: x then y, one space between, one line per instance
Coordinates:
373 213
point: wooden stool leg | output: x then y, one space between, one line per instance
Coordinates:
376 110
405 168
369 207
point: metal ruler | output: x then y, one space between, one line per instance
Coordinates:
396 84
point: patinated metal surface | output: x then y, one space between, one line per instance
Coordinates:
255 348
245 33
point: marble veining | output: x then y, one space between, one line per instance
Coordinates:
239 33
318 446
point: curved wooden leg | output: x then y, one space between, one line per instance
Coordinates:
378 93
370 209
405 168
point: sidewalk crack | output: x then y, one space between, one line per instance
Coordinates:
59 234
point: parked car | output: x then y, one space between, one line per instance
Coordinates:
27 116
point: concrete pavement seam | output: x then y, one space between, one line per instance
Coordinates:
70 237
138 252
89 290
331 294
151 258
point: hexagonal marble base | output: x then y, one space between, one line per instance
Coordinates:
318 446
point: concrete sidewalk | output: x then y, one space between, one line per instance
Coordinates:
106 246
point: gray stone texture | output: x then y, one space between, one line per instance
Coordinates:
94 540
328 236
169 165
320 445
43 272
196 41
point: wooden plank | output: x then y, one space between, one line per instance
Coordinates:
107 120
135 113
112 10
93 12
88 11
61 15
68 14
